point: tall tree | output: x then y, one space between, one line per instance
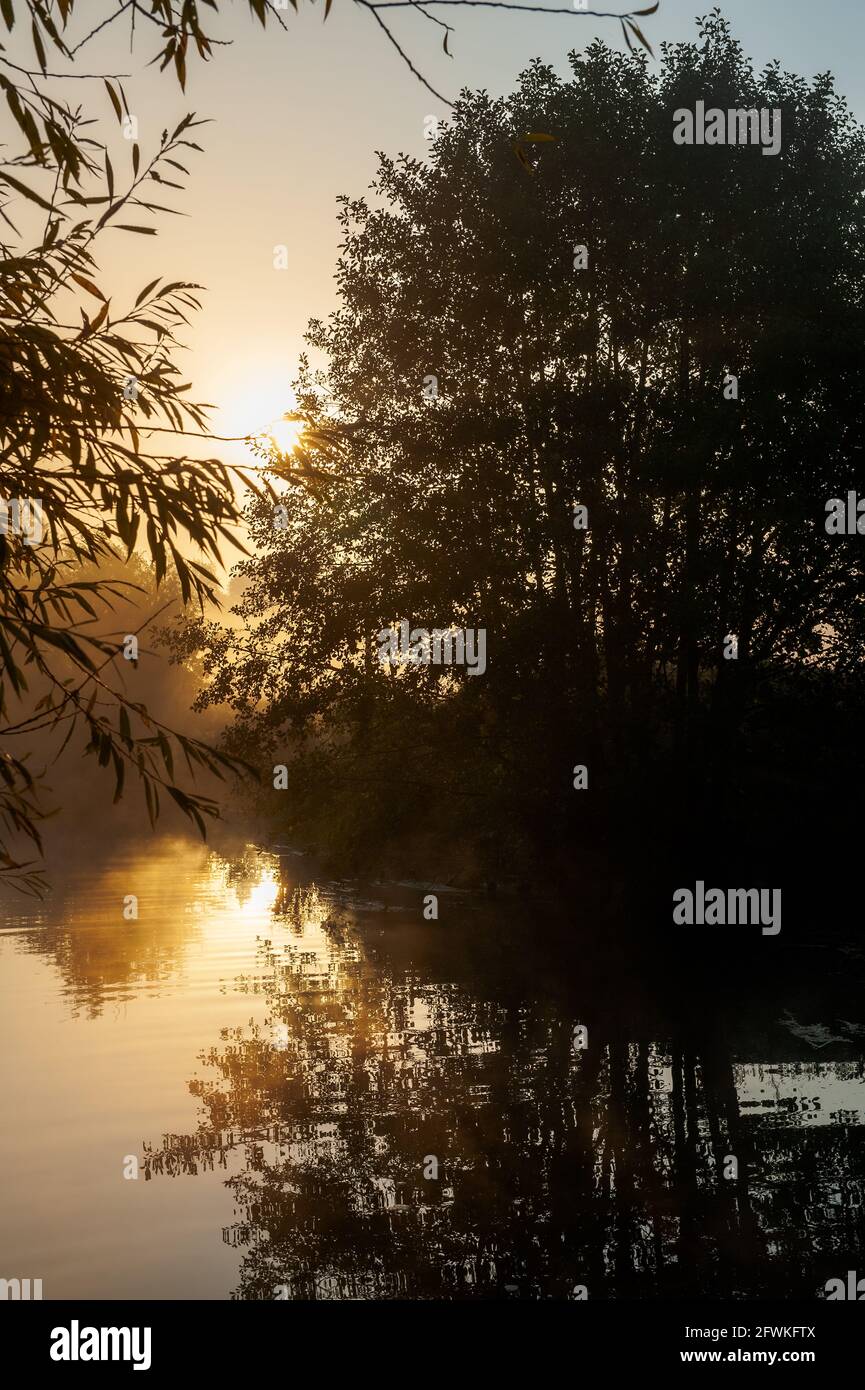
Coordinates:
566 379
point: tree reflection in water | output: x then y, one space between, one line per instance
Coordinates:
557 1168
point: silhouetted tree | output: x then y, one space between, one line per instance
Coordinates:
560 387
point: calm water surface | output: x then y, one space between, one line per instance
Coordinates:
325 1096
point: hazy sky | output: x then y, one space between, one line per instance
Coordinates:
297 119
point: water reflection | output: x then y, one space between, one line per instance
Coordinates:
352 1102
388 1133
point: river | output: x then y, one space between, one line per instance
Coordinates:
274 1084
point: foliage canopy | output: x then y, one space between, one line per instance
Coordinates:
559 388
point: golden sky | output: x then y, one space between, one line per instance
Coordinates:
297 117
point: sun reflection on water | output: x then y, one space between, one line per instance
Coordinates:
305 1055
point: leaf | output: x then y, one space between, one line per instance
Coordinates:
38 46
641 36
152 799
8 13
32 133
109 174
165 750
100 318
125 227
136 157
86 284
26 192
627 37
115 102
533 137
146 291
328 3
51 234
523 157
650 10
23 118
445 45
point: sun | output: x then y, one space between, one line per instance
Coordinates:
248 403
285 433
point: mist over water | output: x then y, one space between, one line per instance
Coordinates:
327 1096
